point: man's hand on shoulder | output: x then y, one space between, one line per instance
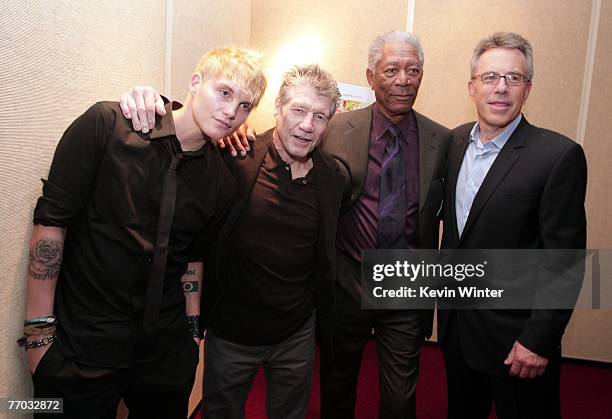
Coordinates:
525 363
238 141
140 105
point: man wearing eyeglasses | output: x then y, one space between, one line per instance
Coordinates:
511 185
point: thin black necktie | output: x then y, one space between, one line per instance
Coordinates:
392 199
155 284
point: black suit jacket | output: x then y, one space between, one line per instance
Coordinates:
330 191
531 198
347 140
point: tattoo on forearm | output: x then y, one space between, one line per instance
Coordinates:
45 260
190 286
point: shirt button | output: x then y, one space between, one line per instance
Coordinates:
303 181
287 168
148 259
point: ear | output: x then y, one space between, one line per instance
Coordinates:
194 83
471 89
370 77
527 91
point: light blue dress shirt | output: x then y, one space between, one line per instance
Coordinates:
477 161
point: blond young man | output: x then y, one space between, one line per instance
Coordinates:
112 306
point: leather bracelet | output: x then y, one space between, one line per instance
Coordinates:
39 329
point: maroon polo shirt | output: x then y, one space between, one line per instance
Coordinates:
358 227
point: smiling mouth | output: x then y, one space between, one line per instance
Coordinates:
223 123
498 104
307 140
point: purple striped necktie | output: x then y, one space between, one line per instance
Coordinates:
392 199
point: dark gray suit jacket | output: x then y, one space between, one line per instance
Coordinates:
347 140
531 198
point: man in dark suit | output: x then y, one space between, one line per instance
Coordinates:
511 185
360 140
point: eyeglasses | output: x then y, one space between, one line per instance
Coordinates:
511 79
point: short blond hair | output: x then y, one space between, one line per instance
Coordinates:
311 75
240 65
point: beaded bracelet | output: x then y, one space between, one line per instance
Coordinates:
193 324
36 343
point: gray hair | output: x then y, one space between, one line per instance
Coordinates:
509 40
312 75
393 38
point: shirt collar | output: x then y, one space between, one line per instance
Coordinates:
380 123
273 160
501 139
164 126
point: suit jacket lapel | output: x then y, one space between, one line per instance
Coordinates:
330 184
498 171
357 143
454 165
428 147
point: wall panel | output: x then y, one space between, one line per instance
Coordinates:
58 57
558 32
198 26
588 335
338 32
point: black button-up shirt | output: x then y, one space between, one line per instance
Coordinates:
271 290
105 187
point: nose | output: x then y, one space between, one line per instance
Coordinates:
501 87
403 78
307 123
230 110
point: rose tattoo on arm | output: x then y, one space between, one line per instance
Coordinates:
45 260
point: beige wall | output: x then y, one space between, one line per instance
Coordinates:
449 36
337 32
57 59
588 334
198 26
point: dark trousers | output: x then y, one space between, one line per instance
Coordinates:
157 389
231 369
472 393
342 339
